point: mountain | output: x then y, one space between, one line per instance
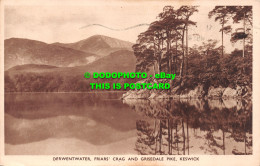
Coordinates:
20 51
37 66
99 45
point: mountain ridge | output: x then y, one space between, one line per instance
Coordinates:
98 44
20 51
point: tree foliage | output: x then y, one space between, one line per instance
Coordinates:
164 47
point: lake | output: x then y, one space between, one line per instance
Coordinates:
102 124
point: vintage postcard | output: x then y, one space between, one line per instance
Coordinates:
129 82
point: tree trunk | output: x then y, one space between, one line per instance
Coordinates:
170 60
155 62
169 137
154 68
175 59
188 141
177 139
244 37
168 55
183 135
160 138
222 41
159 57
183 54
245 137
187 51
223 141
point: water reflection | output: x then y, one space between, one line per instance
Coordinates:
102 124
73 123
193 127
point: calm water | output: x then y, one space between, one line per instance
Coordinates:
100 123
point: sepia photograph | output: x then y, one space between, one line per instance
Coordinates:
128 82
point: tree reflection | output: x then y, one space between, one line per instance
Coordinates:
184 127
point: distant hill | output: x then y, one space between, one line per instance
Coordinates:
24 51
44 78
99 45
119 61
31 68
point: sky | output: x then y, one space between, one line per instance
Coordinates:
67 24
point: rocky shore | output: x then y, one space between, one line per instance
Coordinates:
180 92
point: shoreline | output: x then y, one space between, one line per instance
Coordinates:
199 92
